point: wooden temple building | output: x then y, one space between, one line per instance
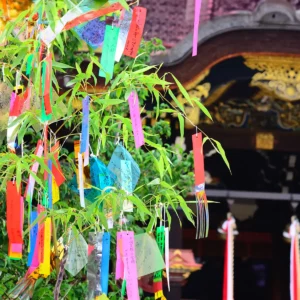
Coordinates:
247 73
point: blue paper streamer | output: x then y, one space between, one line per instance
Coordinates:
33 237
105 262
85 124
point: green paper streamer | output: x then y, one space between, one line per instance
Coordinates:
123 291
29 64
160 239
109 51
44 116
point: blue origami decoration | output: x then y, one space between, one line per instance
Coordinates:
126 171
92 32
101 179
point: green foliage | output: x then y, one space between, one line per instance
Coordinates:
166 172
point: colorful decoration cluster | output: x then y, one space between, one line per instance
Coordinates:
137 255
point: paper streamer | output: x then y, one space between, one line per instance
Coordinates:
48 83
94 265
46 89
119 262
228 289
135 31
86 182
157 278
75 17
14 220
126 183
91 15
202 205
29 64
56 170
196 25
294 260
137 127
85 125
44 268
81 185
32 237
167 256
105 262
130 265
41 236
109 51
124 30
55 191
50 178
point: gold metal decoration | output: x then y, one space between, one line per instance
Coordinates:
277 74
264 141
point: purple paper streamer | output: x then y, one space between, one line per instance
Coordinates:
85 125
92 32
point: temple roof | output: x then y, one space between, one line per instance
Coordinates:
172 20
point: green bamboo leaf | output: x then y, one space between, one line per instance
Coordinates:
58 65
167 186
222 153
187 211
179 105
151 224
203 109
181 125
183 91
139 204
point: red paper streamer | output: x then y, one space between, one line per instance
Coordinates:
198 159
57 171
135 31
48 84
14 210
91 15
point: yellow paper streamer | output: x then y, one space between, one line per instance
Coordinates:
45 265
55 191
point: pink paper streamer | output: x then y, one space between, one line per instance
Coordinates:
13 98
196 25
16 248
136 119
130 265
119 262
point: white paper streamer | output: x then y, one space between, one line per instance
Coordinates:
48 36
80 175
167 256
123 33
